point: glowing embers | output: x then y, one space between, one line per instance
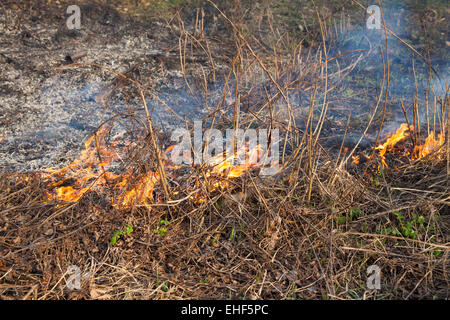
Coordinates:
431 144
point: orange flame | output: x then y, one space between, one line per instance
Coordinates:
398 136
222 168
140 194
431 144
87 173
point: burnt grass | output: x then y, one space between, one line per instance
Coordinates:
308 232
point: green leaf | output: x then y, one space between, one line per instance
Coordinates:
115 237
340 220
129 229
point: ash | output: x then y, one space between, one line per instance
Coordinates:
51 103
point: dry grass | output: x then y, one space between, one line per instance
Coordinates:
263 241
309 232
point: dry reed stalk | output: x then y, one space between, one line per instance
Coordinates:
413 140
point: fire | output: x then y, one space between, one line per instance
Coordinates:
222 168
400 135
90 172
70 194
225 167
431 144
142 193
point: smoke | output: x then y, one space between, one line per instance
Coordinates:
419 79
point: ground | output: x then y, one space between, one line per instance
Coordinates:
308 232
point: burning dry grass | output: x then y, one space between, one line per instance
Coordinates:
222 231
431 144
254 238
